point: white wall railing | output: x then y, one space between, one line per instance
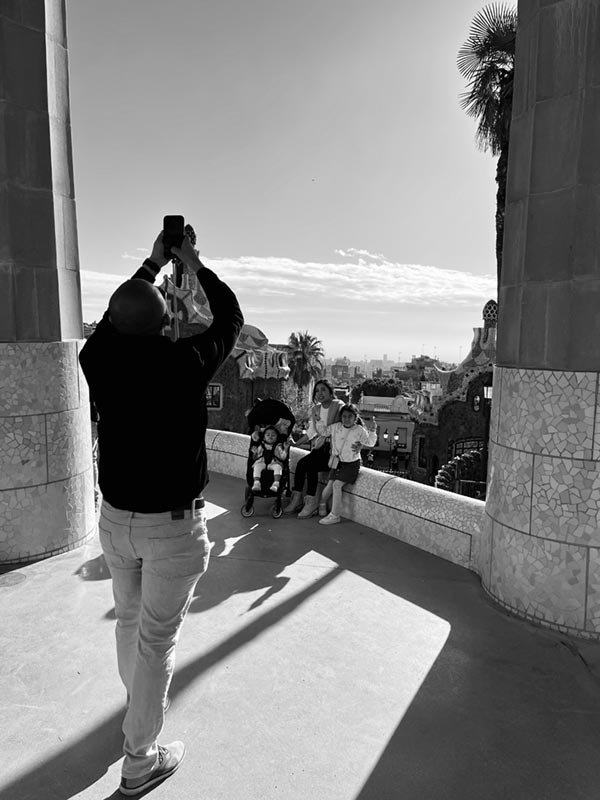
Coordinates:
442 523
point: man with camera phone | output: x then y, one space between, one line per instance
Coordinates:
152 519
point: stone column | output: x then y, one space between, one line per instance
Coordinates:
542 557
46 496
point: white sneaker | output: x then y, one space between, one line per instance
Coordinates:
169 759
256 486
274 487
330 519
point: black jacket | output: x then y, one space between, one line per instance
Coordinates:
150 396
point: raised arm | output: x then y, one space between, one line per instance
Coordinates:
369 433
153 265
218 340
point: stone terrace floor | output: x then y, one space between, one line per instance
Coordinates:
332 663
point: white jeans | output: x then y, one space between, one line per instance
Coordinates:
155 563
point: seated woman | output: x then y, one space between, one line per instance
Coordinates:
325 412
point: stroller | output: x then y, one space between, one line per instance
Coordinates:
268 414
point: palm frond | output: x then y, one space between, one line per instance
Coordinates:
492 37
486 60
306 356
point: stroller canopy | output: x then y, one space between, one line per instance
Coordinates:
269 412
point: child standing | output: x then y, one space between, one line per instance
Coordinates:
345 459
268 454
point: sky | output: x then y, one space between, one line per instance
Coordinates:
317 147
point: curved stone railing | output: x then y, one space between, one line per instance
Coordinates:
442 523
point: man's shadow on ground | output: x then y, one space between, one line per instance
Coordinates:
246 555
95 569
80 764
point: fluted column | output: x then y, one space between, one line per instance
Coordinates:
46 497
541 558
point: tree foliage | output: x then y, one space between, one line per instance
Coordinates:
487 62
469 466
376 387
305 360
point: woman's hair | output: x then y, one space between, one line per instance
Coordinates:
354 409
323 382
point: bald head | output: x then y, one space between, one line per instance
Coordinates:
137 308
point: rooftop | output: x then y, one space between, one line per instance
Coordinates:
333 663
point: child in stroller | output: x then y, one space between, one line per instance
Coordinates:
270 423
269 453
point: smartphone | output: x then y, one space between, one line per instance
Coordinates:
173 232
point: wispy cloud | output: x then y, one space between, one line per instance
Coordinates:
360 277
135 256
283 294
352 252
96 288
378 282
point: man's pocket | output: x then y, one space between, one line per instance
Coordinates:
181 553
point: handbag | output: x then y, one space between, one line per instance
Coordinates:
334 458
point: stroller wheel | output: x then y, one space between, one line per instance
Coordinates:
276 511
247 512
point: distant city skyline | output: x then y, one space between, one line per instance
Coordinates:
384 360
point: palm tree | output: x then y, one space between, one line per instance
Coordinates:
487 61
305 359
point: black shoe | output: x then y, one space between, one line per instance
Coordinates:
169 759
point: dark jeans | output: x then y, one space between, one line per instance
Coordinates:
308 468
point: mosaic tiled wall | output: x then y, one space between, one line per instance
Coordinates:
542 555
46 483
